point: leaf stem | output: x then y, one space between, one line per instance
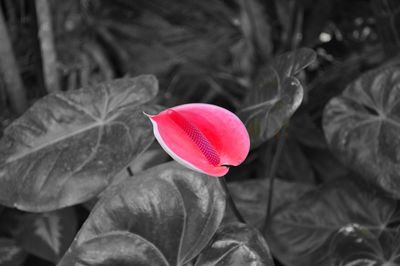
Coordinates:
130 173
230 200
274 168
47 45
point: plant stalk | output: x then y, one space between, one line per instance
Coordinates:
274 168
231 201
10 72
48 48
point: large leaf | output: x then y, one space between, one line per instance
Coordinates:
69 145
163 216
251 198
276 95
10 253
363 127
301 233
236 244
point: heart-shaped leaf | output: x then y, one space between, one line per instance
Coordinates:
236 244
163 216
363 127
300 233
69 145
276 95
10 253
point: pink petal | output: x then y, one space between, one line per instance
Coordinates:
203 137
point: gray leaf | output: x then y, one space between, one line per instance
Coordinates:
362 126
301 233
69 145
236 244
276 95
163 216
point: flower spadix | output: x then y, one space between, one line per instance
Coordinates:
204 137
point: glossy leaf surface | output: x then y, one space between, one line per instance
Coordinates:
69 145
276 95
301 233
203 137
163 216
236 244
363 127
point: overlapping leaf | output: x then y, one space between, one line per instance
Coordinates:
363 127
68 146
10 253
236 244
276 95
301 233
45 235
164 216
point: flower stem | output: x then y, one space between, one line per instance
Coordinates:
274 168
231 201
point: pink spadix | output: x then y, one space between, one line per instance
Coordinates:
203 137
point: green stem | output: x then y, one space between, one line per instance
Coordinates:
230 200
274 168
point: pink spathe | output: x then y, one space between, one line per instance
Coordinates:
204 137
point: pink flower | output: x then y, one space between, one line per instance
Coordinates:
204 137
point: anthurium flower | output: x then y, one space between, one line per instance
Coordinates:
204 137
